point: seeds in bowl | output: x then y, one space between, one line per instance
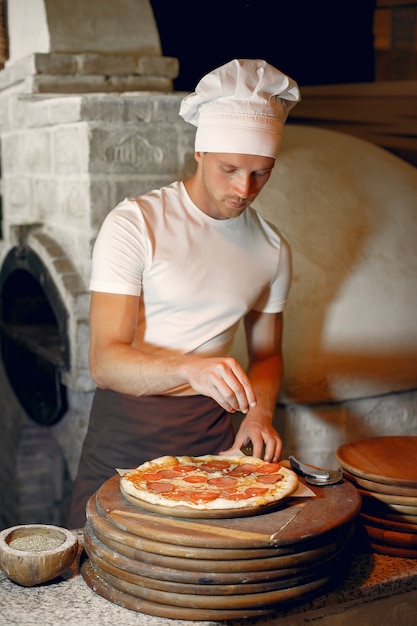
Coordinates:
35 543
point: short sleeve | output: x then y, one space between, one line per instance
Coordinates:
274 298
119 252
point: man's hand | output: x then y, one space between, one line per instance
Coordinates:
222 379
263 333
265 440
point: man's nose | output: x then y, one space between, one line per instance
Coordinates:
243 185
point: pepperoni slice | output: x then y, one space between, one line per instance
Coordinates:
269 479
150 477
243 470
269 468
256 491
159 487
168 473
203 496
224 482
195 479
184 469
215 466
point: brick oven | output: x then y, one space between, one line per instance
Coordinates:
79 132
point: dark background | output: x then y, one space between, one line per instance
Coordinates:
316 43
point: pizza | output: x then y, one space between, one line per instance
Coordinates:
209 482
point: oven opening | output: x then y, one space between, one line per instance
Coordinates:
34 343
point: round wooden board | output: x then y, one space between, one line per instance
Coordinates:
371 485
388 524
388 460
300 520
409 504
181 606
392 538
401 517
212 601
166 572
388 550
113 528
370 502
127 601
125 569
390 515
211 570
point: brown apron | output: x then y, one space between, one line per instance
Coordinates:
125 431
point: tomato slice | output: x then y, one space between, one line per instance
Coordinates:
177 494
195 479
237 496
203 496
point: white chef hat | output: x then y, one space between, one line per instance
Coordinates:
241 108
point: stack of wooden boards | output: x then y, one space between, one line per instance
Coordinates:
217 568
384 470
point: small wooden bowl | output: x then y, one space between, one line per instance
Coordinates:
35 553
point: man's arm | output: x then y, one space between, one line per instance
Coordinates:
264 337
117 364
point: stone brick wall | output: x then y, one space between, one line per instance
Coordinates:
66 162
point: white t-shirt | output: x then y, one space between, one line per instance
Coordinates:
196 276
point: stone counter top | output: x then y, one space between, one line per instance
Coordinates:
377 590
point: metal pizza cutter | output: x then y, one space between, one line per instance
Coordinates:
314 476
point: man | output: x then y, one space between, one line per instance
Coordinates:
173 274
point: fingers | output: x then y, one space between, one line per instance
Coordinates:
226 382
263 443
222 379
270 452
273 450
235 386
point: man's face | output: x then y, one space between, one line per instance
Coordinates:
228 183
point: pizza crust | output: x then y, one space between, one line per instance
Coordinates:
134 486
